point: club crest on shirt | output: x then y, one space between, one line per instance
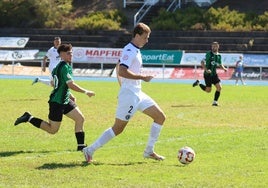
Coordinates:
69 76
125 57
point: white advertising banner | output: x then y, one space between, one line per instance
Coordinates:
13 42
96 55
195 58
17 55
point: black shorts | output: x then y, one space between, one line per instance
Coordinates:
57 110
209 80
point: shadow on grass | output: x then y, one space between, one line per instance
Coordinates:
12 153
51 166
116 164
183 106
24 100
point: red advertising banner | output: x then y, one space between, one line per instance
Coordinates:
191 73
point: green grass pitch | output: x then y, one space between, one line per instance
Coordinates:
230 141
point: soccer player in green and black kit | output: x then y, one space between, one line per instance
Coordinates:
210 64
61 101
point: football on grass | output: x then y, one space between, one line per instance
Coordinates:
186 155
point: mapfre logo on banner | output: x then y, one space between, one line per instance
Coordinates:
96 55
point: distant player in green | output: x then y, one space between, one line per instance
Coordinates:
61 100
210 64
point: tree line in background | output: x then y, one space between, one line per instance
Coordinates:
60 15
194 18
55 14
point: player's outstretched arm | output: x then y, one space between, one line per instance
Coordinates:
73 86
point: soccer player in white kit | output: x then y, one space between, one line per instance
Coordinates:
131 98
54 59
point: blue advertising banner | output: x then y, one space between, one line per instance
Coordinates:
256 60
196 58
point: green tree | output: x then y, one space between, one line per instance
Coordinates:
178 20
52 14
32 13
107 20
16 13
263 20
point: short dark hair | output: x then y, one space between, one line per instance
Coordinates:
64 48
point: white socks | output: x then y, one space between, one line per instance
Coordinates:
44 81
154 134
103 139
109 134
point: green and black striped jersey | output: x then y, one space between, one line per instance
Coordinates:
212 62
62 74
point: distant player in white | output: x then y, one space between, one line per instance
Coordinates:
131 98
239 68
54 59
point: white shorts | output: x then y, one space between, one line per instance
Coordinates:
129 102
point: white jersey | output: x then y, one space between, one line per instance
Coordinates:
54 58
131 58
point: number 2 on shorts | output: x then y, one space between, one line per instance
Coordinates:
130 109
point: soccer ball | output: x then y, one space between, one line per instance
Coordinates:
186 155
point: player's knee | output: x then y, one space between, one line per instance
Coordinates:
164 117
218 89
53 131
80 120
208 90
117 129
118 132
160 118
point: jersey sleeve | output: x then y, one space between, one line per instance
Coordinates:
66 74
48 54
127 57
